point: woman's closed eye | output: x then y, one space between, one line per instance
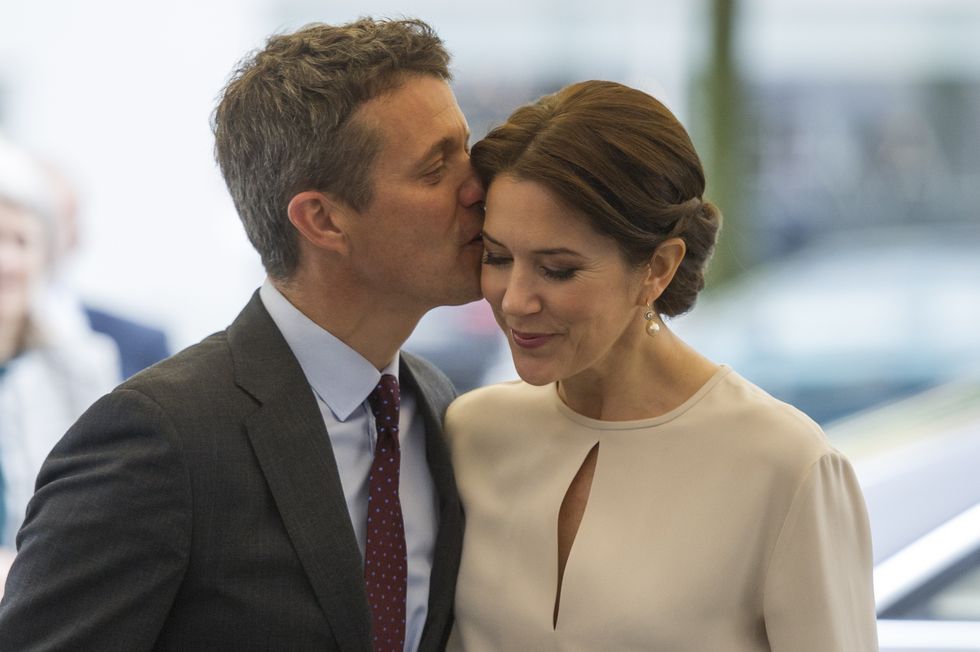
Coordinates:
552 273
559 274
490 258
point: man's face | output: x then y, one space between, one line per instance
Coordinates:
417 244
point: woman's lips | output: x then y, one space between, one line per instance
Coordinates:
530 340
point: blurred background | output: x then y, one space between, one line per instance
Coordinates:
840 139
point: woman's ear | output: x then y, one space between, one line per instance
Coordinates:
320 219
663 265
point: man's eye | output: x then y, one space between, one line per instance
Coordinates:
435 173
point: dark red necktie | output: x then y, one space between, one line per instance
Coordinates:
385 559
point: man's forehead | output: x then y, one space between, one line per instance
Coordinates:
417 120
415 96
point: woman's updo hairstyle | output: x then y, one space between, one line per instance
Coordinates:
620 157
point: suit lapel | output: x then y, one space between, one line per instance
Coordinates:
291 444
432 399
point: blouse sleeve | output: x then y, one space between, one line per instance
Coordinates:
818 588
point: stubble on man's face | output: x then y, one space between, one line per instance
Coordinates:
418 240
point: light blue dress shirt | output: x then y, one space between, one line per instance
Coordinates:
341 380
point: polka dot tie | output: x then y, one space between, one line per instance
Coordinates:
385 560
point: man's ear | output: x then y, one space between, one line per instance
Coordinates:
663 265
320 219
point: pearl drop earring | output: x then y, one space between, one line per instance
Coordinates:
653 326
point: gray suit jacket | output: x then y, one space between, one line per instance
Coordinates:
198 507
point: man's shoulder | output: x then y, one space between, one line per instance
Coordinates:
213 349
426 372
198 369
431 381
211 363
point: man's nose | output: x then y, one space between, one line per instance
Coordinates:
472 191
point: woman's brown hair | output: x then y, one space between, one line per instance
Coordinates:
620 157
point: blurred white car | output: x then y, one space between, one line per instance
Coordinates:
917 461
928 594
858 319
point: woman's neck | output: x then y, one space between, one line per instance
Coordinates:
646 378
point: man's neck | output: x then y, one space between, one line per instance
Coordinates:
376 330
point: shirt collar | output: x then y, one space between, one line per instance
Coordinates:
339 375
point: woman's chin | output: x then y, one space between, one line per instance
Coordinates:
535 376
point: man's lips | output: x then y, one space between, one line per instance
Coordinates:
530 340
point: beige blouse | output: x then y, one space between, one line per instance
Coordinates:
728 524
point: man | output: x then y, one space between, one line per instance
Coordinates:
219 501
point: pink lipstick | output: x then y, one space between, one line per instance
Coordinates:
530 340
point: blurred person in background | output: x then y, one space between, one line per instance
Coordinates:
139 345
220 499
52 364
631 494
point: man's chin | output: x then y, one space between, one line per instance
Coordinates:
465 297
461 285
469 289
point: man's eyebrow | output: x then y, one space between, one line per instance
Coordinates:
487 236
542 252
443 145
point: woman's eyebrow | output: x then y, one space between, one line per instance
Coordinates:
543 252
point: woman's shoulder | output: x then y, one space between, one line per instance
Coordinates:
780 431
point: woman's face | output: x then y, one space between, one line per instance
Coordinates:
562 293
21 260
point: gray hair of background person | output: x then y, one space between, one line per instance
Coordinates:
620 157
25 185
284 122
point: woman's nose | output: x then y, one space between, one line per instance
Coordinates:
520 297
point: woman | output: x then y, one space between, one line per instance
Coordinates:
630 494
52 365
